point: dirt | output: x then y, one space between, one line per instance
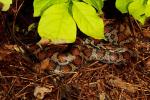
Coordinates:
27 72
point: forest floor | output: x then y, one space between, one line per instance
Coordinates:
27 72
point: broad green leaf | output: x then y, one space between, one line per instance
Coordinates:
137 10
57 25
147 10
122 5
6 4
98 4
42 5
87 20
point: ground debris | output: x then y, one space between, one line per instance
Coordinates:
119 83
39 92
52 79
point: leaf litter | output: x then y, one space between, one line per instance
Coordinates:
23 78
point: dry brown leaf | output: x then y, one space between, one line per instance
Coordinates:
119 83
39 92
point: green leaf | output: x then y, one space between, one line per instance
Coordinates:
6 4
98 4
42 5
57 25
122 5
147 10
87 20
137 10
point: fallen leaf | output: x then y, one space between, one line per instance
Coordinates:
39 92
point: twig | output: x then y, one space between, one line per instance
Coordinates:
142 60
24 78
74 76
17 94
93 69
138 26
11 86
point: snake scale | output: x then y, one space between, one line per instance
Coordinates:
113 50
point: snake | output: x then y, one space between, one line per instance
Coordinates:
109 51
112 50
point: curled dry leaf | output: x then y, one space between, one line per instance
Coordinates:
39 92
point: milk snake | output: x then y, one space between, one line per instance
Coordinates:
111 51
